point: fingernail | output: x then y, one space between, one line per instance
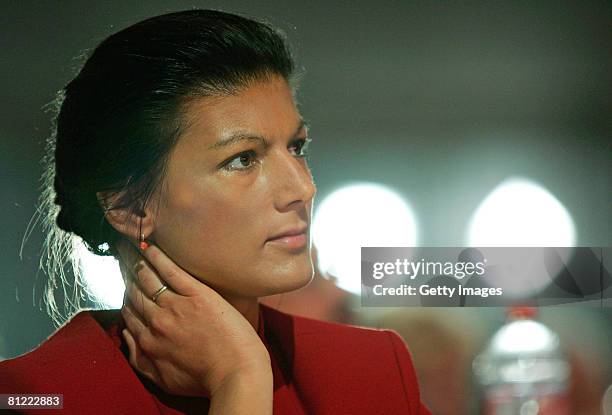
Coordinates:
138 266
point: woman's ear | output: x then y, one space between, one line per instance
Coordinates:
123 220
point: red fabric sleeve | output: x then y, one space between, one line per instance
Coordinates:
408 374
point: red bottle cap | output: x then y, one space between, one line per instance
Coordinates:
522 312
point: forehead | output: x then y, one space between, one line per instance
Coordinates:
266 108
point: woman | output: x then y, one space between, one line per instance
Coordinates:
179 150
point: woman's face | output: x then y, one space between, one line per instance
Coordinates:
236 179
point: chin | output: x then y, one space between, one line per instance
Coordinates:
290 280
266 277
304 281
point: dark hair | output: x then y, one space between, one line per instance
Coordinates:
120 117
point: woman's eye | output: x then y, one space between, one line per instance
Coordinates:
242 161
300 147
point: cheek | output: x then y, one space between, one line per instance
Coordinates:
213 227
228 223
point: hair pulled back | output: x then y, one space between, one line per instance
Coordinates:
119 118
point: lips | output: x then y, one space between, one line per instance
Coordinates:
290 232
292 239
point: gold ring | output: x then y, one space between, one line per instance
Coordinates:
158 292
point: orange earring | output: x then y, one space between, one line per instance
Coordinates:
143 245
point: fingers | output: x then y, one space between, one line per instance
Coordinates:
149 283
128 253
138 359
133 321
173 276
144 307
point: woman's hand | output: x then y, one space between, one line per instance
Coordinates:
190 341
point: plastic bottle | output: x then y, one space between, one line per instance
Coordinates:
522 371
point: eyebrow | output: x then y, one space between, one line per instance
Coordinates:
238 137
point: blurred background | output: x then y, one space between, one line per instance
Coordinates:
433 124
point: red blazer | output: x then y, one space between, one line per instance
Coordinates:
318 368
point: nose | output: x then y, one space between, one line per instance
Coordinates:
294 184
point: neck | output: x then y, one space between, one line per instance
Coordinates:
247 306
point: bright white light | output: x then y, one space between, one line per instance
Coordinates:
523 351
525 336
520 212
103 277
354 216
